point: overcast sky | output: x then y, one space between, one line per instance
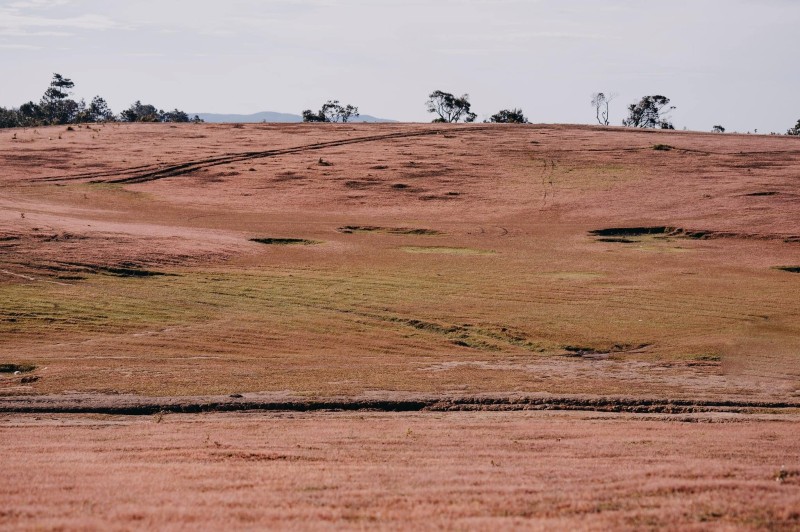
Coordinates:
729 62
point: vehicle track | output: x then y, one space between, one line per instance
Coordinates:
143 174
139 405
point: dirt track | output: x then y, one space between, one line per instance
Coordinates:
135 405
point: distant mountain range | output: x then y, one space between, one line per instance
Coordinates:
269 116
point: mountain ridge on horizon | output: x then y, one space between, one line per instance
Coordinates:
270 116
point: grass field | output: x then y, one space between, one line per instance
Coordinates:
397 260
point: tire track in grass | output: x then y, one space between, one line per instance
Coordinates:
156 172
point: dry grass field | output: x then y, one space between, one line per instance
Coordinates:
342 264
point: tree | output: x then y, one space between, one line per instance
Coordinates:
331 111
56 105
449 108
99 111
139 112
601 104
175 115
30 114
649 113
335 112
506 116
311 116
718 129
795 131
9 117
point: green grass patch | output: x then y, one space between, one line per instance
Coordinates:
101 303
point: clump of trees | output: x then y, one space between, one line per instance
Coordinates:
509 116
795 131
140 112
331 111
718 129
650 112
449 108
57 107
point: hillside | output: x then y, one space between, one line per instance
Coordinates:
429 259
398 326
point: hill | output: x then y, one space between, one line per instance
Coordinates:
400 325
269 116
482 256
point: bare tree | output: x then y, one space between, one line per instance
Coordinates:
601 103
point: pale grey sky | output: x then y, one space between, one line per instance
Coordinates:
729 62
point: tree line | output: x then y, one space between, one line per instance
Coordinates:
57 107
649 112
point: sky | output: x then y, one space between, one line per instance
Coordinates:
734 63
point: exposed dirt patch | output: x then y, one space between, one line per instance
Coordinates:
594 353
633 231
627 235
361 184
387 230
17 368
284 241
445 250
385 402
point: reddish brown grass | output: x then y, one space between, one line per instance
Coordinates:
410 471
152 260
506 280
